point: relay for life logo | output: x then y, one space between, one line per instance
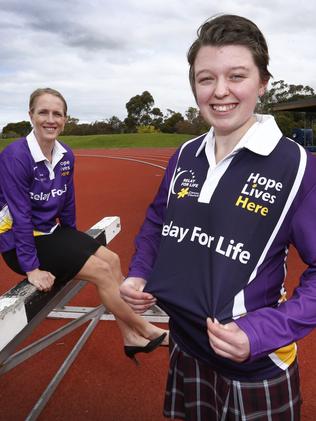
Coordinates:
227 247
45 196
185 184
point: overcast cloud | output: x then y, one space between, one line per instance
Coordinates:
100 53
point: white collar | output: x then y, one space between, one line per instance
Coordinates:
37 154
261 138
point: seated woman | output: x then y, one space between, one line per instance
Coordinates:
38 235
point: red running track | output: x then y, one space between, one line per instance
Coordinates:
102 384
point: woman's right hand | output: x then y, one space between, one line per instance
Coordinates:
131 291
41 279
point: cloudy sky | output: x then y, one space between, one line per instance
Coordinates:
100 53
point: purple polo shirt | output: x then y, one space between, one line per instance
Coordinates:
35 195
259 308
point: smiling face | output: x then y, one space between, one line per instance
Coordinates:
227 85
48 117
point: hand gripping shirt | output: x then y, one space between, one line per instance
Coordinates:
215 242
34 193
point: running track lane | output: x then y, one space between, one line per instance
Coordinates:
102 384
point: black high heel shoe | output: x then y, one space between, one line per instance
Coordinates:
130 351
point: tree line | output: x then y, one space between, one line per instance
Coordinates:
144 117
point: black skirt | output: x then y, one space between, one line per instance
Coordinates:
63 253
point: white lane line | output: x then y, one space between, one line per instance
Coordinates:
121 158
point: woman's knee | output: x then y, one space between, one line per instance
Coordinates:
103 268
95 270
115 260
110 258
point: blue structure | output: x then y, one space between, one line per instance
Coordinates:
303 136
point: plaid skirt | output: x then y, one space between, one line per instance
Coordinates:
195 392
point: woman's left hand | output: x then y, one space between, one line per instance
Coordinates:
228 340
41 279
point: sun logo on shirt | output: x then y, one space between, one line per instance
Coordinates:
183 192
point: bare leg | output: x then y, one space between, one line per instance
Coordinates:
103 270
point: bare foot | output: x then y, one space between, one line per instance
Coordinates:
158 332
132 338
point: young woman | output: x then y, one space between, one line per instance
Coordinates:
214 243
38 235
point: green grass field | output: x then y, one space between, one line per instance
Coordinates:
129 140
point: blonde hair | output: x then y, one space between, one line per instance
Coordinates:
41 91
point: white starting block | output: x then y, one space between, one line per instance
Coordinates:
23 308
